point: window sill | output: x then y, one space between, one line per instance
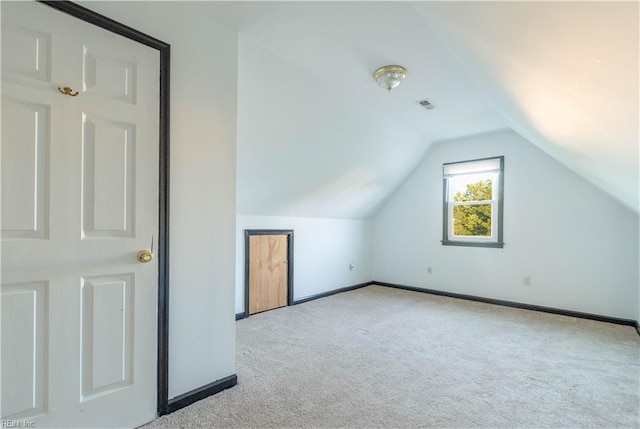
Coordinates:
493 244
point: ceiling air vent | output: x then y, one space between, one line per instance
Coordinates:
426 104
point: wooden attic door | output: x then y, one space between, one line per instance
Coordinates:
268 271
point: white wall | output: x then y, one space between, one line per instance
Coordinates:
322 252
302 165
203 184
578 244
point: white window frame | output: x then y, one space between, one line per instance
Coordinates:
472 171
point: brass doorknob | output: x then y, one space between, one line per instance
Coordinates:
145 256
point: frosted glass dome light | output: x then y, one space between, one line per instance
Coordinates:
389 77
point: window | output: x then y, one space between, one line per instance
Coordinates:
473 200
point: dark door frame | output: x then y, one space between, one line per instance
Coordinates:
247 235
164 49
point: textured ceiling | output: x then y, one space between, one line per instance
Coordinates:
317 137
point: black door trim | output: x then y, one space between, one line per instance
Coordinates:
247 234
109 24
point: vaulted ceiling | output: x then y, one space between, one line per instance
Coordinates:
317 137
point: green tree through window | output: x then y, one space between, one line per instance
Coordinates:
473 203
473 219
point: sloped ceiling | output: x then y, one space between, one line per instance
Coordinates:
563 74
317 137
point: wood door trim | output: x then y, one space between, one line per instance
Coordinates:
247 236
164 49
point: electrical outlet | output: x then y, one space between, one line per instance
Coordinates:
527 281
428 270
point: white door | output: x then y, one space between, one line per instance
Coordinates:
79 201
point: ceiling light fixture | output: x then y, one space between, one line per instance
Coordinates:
389 77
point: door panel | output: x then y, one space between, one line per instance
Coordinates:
109 77
24 349
268 271
107 328
108 158
26 52
79 200
25 148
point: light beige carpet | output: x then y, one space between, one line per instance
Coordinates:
381 357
